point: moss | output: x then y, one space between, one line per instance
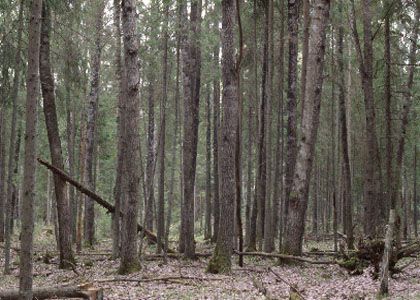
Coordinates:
129 268
219 263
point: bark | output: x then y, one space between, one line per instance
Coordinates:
347 188
2 164
119 180
221 259
305 43
249 184
150 166
252 242
162 137
207 222
299 193
175 139
91 112
191 59
51 122
82 291
216 126
29 168
129 262
269 213
9 185
372 180
388 114
291 150
82 154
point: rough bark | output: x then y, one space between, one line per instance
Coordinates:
162 137
91 112
216 126
415 200
300 188
191 60
305 43
207 222
347 198
9 185
221 259
291 150
372 180
29 168
119 180
129 262
54 141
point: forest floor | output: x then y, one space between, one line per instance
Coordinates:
181 279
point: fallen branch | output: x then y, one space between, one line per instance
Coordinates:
293 288
163 278
98 199
173 255
287 257
86 291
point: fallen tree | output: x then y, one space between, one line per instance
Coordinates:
98 199
287 257
85 291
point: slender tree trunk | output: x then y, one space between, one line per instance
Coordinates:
26 242
129 259
14 122
92 108
347 188
119 180
50 113
162 136
207 222
82 155
221 259
216 126
300 188
249 174
191 58
3 197
150 165
291 151
372 181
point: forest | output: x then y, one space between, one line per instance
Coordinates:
209 149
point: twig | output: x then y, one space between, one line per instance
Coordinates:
292 287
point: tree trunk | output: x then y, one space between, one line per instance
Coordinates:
51 122
14 122
131 114
216 126
119 180
347 198
191 58
415 200
91 125
291 151
162 137
150 165
221 259
300 188
207 222
29 168
305 44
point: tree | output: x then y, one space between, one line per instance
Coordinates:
32 82
299 193
221 259
119 180
129 260
91 112
50 113
11 162
191 58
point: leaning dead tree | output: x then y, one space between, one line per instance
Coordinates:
95 197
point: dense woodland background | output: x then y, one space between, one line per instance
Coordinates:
262 126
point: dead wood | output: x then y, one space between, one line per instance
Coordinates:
98 199
85 291
163 278
287 257
293 288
